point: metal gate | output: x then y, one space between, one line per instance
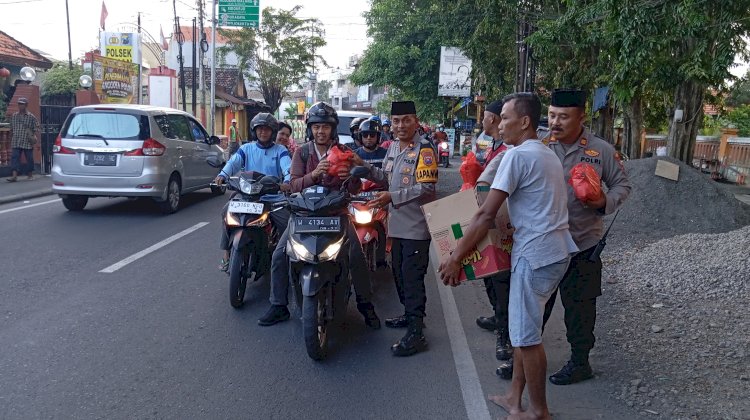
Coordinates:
51 121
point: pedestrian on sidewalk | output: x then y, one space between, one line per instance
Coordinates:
531 178
234 139
24 127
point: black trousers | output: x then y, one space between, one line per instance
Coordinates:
498 291
579 289
410 261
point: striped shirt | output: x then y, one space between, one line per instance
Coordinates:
20 125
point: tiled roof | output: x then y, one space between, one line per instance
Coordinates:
15 53
187 32
226 78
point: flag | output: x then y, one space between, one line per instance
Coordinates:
164 44
104 15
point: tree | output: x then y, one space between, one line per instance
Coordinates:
60 80
278 55
322 90
740 118
739 93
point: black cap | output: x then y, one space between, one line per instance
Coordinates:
495 107
403 108
566 98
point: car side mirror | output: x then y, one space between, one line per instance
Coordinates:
214 140
359 172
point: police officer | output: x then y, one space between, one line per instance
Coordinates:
580 287
411 169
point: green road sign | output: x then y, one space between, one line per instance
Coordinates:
244 13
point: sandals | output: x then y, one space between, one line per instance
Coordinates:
224 265
11 179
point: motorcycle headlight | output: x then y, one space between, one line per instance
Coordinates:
361 217
444 146
249 187
231 220
332 250
300 251
260 221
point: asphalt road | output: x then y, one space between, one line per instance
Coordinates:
157 338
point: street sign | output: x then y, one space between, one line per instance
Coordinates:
244 13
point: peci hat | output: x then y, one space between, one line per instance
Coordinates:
403 108
495 107
23 100
566 98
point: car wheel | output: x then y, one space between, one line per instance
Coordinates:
75 202
172 203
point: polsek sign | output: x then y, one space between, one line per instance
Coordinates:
121 46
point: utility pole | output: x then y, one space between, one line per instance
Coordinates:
180 40
138 85
213 66
201 83
192 79
70 50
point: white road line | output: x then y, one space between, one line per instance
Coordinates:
138 255
29 206
471 388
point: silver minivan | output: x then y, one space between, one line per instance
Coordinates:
132 151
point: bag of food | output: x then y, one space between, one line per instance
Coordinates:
339 157
587 186
470 171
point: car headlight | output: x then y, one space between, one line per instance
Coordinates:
300 251
249 187
362 217
331 250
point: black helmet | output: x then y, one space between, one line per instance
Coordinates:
267 120
370 125
355 123
319 113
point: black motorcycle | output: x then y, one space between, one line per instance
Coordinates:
251 234
318 252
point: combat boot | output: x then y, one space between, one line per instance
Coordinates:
397 322
413 342
503 349
368 313
572 372
505 370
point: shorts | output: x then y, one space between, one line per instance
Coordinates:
529 292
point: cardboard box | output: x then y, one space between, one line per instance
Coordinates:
448 217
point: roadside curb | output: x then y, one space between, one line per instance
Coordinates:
25 196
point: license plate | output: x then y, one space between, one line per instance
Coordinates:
100 159
317 224
245 207
367 195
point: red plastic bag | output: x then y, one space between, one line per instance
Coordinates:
470 170
339 158
587 186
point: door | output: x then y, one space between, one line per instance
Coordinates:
201 152
175 127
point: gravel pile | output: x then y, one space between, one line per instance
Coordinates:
661 208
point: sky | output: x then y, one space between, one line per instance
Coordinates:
47 30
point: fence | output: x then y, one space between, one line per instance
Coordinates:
4 147
736 162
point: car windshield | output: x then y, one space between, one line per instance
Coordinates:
107 125
344 125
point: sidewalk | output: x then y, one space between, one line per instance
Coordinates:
24 189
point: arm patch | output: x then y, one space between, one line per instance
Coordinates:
427 169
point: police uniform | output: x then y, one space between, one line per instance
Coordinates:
412 173
582 282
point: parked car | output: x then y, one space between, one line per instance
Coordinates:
345 119
132 151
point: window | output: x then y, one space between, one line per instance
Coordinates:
199 134
110 125
174 127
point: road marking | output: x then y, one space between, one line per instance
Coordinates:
29 206
138 255
471 388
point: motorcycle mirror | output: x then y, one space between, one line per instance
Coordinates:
214 140
359 172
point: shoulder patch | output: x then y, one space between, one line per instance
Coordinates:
591 152
427 170
584 142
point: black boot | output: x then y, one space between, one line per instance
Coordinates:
274 315
368 312
574 371
413 342
503 349
488 323
397 322
505 370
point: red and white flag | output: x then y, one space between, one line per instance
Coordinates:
164 44
103 16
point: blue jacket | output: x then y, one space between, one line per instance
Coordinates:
373 158
273 160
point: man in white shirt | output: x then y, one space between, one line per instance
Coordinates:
531 178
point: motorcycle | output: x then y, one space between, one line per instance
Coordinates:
318 266
369 222
444 154
251 234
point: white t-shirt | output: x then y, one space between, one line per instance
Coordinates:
532 175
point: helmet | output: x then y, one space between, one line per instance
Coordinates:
387 122
369 125
264 119
354 125
321 112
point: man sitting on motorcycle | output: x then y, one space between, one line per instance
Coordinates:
310 167
263 156
372 153
354 130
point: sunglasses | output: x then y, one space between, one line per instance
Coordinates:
369 134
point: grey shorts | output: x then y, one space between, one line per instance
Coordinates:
529 292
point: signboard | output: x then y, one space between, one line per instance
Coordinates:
115 81
363 93
455 73
243 13
121 46
451 132
461 104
